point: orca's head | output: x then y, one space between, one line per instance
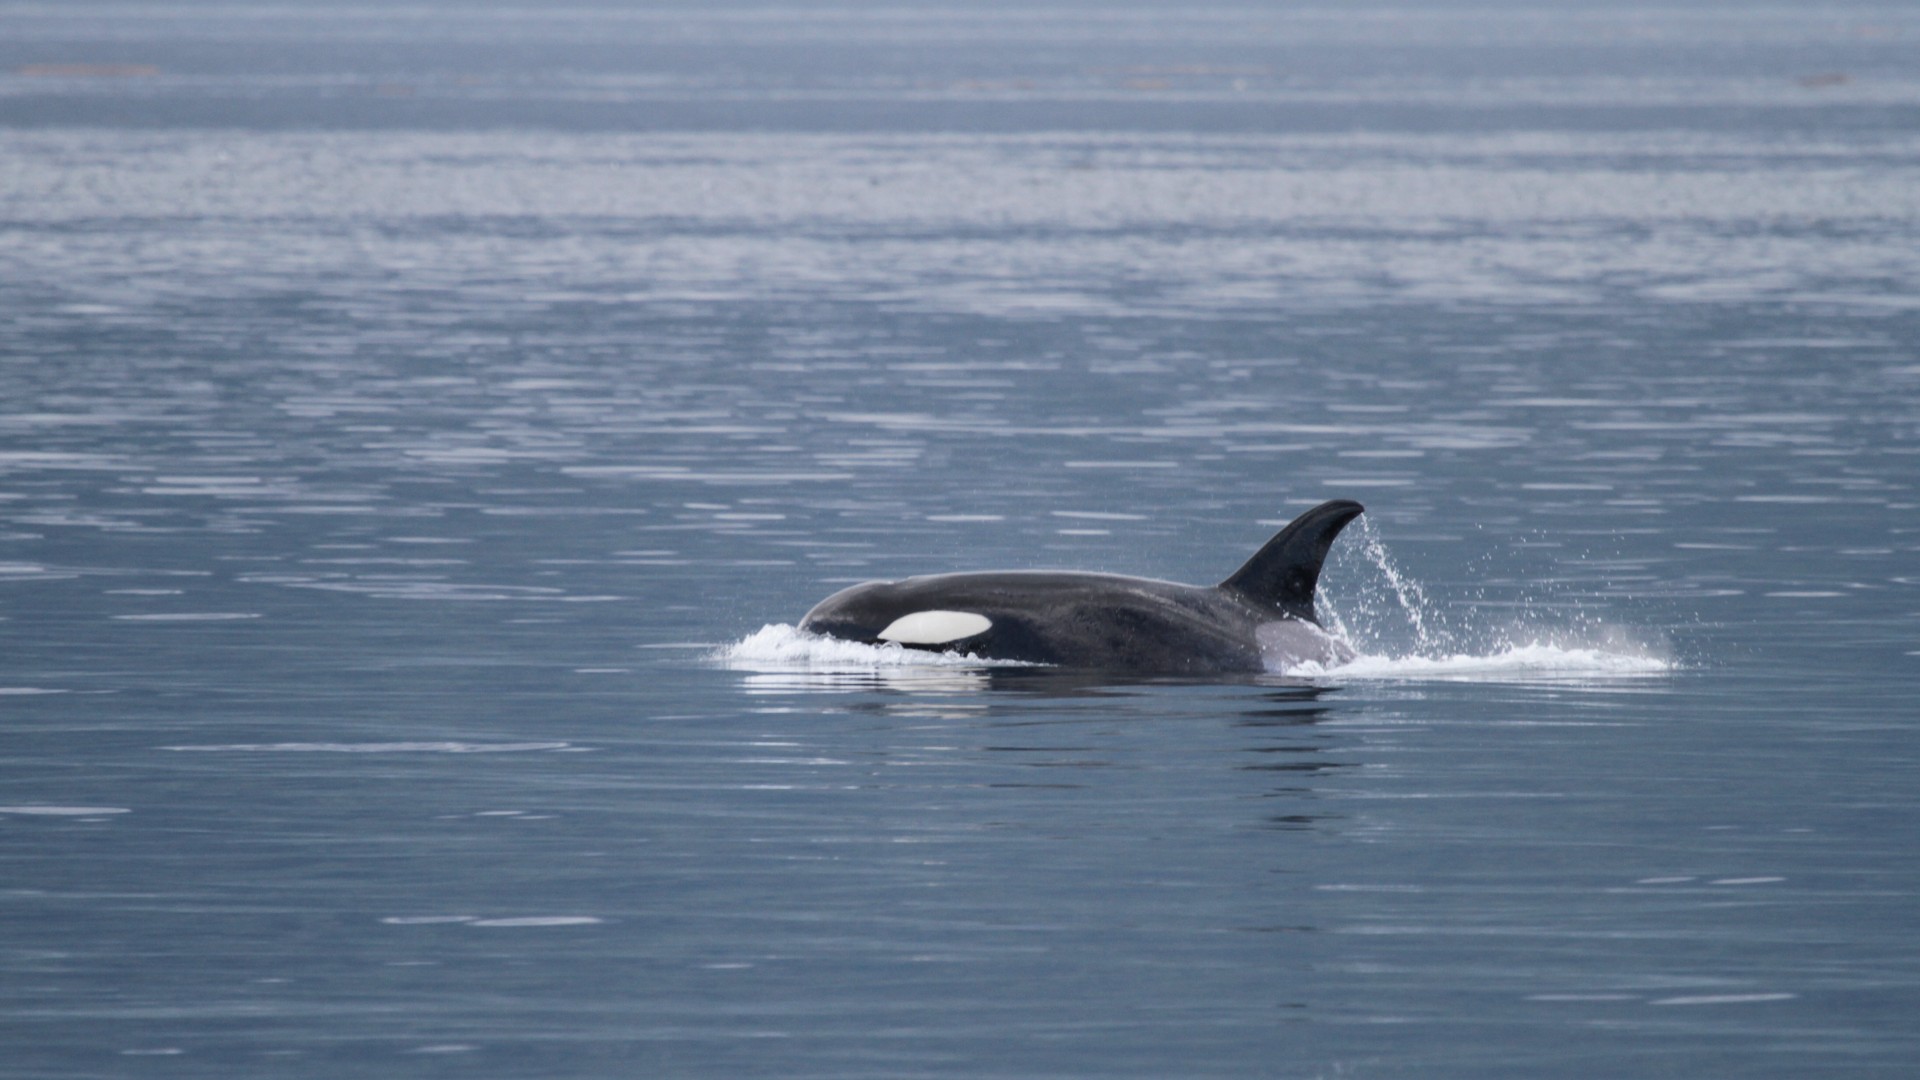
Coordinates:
856 613
878 613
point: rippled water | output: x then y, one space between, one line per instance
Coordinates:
419 429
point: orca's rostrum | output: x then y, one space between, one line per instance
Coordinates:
1262 618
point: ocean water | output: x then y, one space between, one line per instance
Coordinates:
421 427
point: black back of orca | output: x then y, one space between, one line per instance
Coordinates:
1106 620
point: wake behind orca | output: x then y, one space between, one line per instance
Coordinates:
1261 618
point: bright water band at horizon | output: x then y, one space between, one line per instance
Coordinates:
420 430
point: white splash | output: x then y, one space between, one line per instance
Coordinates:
783 647
1399 633
782 659
1535 660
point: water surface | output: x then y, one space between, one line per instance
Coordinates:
415 428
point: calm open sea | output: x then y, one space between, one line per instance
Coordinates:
420 427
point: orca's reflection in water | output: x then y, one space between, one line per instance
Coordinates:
1271 727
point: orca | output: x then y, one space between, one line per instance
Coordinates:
1261 618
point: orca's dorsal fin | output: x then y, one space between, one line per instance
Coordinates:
1284 573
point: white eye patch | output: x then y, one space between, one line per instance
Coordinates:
935 627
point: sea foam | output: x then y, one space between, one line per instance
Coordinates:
783 648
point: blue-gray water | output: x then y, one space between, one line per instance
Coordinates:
402 410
